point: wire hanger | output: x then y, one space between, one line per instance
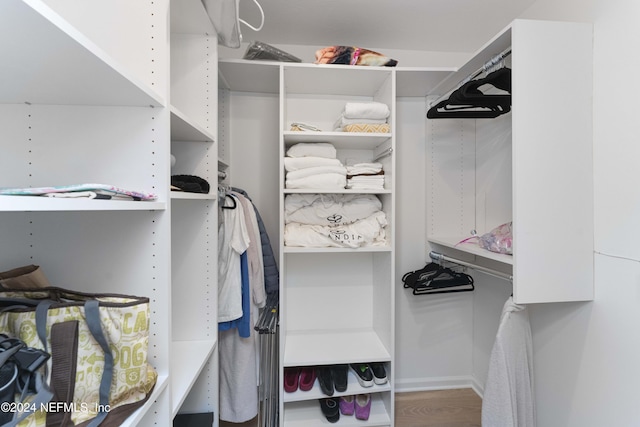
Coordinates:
245 22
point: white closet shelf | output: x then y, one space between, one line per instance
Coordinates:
308 414
183 195
185 129
305 348
353 387
48 61
471 248
350 140
301 250
46 204
188 358
249 76
337 191
263 76
161 383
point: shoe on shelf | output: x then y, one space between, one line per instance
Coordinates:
347 405
363 374
291 376
307 378
339 373
330 409
323 373
363 406
379 373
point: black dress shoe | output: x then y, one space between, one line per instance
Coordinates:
339 374
323 373
330 409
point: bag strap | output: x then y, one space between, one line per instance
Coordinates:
92 315
64 350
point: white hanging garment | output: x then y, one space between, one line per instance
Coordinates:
508 399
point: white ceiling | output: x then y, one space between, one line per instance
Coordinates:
425 25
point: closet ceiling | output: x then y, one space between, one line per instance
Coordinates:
425 25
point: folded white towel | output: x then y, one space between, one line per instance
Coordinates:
312 149
296 163
369 231
325 181
343 121
360 168
329 209
318 170
366 110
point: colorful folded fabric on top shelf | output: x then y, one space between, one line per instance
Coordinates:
365 176
364 117
90 191
313 165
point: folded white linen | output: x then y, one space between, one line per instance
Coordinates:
325 181
318 170
312 149
369 231
329 209
362 168
366 110
343 121
295 163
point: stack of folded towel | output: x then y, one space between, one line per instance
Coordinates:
313 165
364 117
334 220
365 176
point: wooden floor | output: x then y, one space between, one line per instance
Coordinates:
440 408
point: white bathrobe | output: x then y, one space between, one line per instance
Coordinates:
509 399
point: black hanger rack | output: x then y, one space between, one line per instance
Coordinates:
467 101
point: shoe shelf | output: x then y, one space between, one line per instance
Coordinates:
308 414
306 348
353 388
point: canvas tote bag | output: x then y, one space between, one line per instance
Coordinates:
98 344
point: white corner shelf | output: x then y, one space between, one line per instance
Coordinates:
185 129
183 195
48 61
471 248
49 204
187 361
344 346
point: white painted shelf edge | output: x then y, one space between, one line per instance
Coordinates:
188 358
306 348
161 384
183 195
185 129
37 203
471 248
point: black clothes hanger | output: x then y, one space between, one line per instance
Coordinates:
233 199
437 279
411 278
469 102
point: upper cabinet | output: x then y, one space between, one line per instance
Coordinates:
532 166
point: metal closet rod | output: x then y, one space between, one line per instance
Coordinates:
487 65
436 256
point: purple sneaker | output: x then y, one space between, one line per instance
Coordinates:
363 406
347 405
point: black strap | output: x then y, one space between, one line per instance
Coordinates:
64 350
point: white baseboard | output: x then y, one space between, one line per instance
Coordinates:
438 383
